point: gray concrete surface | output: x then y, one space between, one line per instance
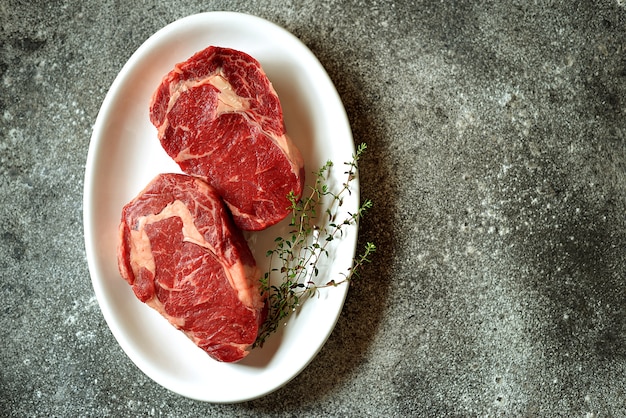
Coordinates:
496 163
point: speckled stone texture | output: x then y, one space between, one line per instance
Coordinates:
496 163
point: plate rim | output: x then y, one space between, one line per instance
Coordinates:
96 143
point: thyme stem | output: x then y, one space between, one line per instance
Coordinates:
298 255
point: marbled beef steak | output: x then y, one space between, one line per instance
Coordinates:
219 118
182 255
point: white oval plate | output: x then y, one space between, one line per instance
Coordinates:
125 154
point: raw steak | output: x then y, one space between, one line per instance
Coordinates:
219 118
182 255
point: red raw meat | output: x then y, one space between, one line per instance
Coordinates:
182 255
219 118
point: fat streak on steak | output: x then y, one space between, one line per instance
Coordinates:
182 255
219 118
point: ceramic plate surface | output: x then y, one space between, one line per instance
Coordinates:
125 154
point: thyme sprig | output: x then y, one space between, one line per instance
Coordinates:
295 258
